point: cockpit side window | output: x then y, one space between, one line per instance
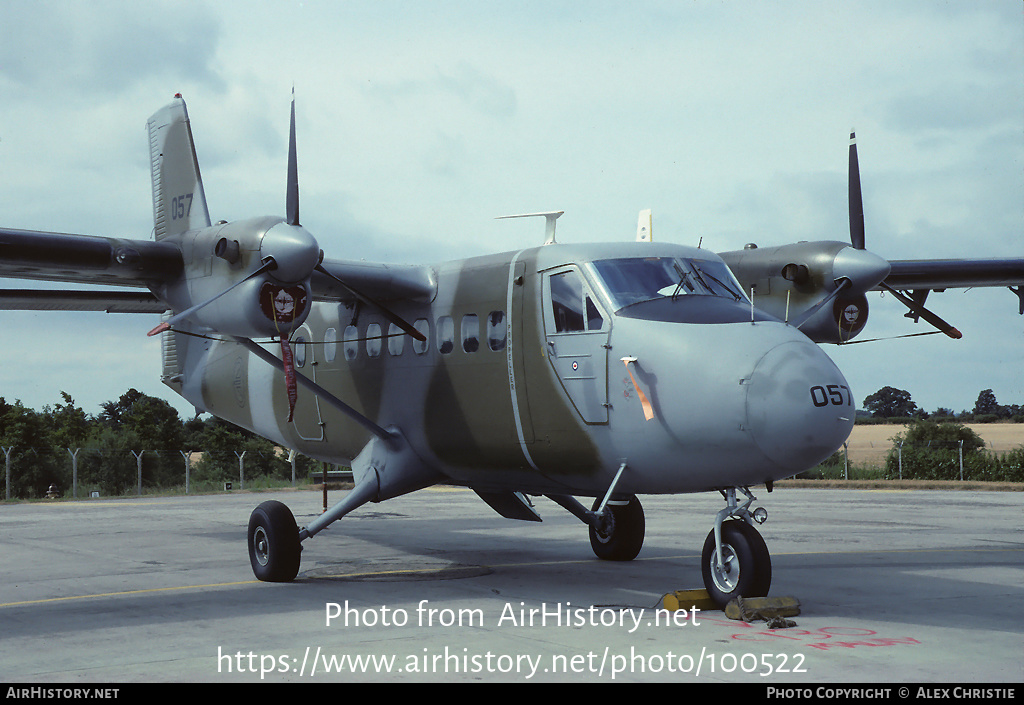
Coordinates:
567 302
572 304
595 321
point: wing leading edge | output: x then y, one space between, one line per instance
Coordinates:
952 273
87 259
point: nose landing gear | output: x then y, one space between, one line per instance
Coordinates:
735 560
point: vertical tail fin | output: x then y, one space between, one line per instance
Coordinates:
179 202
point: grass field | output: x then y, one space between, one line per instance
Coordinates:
869 445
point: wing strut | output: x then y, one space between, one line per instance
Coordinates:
312 386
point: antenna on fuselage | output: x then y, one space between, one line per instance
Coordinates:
644 231
549 228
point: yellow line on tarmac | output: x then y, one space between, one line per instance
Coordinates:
125 592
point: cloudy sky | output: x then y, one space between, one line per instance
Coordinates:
419 122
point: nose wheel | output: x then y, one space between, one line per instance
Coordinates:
736 563
745 568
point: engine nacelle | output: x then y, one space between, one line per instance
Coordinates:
838 323
249 278
790 282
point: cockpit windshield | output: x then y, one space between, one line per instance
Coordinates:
632 280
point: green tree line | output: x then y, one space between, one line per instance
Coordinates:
42 447
893 403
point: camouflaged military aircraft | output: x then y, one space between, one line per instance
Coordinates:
604 371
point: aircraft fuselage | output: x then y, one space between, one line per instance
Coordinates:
538 369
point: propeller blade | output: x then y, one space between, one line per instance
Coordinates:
388 314
924 313
268 264
293 172
856 200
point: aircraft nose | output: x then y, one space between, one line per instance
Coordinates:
799 406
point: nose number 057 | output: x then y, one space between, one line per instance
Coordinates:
834 394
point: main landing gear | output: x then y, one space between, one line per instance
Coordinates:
734 563
274 546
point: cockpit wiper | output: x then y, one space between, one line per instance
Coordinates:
718 281
684 280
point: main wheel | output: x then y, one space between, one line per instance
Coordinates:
622 535
274 543
746 566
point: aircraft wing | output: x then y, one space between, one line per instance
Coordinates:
63 300
86 259
940 274
384 282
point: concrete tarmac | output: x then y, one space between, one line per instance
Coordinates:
905 587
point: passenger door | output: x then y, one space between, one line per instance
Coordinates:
577 332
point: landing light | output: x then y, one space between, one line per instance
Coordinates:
760 515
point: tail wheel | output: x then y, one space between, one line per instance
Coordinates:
622 532
746 569
274 546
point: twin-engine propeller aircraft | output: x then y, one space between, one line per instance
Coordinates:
604 371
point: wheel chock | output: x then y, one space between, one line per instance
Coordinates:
688 600
773 610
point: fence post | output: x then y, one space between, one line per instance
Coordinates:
901 459
187 455
961 460
241 471
7 456
846 460
291 461
74 472
138 465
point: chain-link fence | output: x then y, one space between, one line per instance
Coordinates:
85 472
931 460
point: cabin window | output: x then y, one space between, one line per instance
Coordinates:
445 334
373 340
299 350
396 340
497 334
350 343
330 344
470 333
423 326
